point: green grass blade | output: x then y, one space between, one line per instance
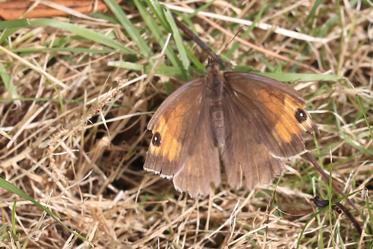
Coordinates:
13 219
57 50
10 27
129 27
165 70
157 33
364 113
7 81
83 32
311 16
289 77
158 11
127 65
14 189
195 61
20 23
178 40
6 33
73 28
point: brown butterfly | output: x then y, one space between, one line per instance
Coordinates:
245 122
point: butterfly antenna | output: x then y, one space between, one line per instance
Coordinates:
231 40
189 33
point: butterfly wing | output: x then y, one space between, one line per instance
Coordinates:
182 147
266 123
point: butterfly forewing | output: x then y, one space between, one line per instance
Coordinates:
262 127
182 147
272 107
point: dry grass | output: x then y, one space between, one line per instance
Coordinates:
73 118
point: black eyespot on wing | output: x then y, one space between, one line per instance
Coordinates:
156 140
300 115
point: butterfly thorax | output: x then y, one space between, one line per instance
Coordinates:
214 93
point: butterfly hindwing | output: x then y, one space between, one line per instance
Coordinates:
247 161
201 168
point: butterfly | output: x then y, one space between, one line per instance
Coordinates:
237 125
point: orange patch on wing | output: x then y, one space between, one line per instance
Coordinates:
169 131
170 146
285 126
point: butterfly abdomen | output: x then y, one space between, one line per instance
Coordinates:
215 90
217 123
